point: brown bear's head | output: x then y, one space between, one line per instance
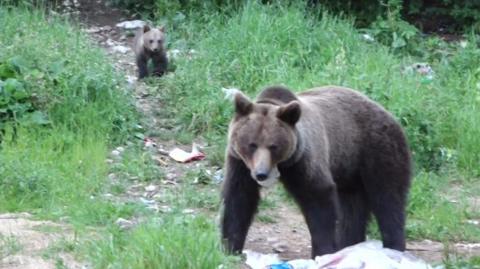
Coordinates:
263 135
153 38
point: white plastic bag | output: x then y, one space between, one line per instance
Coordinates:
366 255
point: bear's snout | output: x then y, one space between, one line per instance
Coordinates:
261 175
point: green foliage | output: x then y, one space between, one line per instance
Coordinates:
169 242
263 45
391 30
61 106
55 78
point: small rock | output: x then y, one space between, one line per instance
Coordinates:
116 153
272 239
131 24
147 202
109 161
165 209
163 152
280 247
170 176
120 49
121 149
188 211
124 223
93 29
110 42
151 188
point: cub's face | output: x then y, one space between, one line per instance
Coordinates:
263 135
153 38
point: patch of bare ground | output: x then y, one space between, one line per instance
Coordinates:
29 241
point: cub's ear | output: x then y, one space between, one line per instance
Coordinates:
290 113
243 106
162 28
146 28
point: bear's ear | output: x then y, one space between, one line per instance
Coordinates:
146 28
290 113
162 28
243 106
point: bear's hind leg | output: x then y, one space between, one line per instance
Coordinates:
240 195
386 186
354 217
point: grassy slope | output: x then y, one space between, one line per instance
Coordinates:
59 170
264 45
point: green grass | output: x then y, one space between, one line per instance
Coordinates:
172 241
262 45
73 109
9 246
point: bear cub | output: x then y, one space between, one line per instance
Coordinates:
149 44
339 154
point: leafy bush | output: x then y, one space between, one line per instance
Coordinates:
61 106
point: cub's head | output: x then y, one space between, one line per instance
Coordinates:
153 38
263 135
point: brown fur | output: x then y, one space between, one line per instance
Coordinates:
338 153
149 44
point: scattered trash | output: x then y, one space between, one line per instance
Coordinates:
218 176
368 37
115 153
131 79
463 44
120 49
149 143
188 211
174 53
260 261
230 93
368 254
423 69
182 156
129 25
473 222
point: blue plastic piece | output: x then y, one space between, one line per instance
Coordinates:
281 266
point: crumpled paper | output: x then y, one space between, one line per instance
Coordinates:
182 156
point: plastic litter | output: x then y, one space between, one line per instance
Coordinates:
230 93
366 255
182 156
131 24
424 69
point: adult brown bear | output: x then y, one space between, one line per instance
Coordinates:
339 154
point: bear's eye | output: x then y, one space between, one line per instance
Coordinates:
151 41
159 41
252 146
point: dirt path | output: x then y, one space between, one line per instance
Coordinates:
285 234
